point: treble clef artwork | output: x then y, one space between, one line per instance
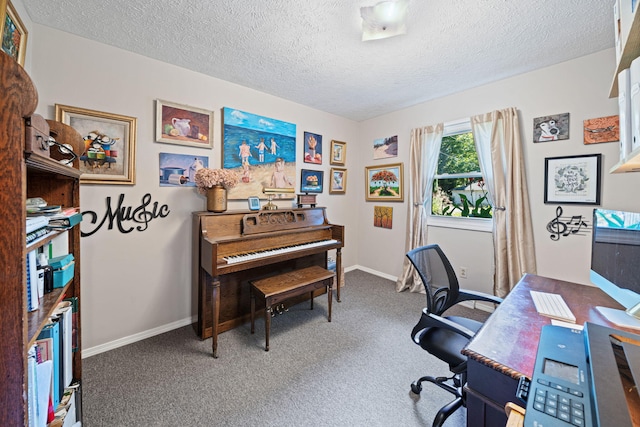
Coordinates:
566 226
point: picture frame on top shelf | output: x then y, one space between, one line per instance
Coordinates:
14 33
183 125
572 179
109 152
338 153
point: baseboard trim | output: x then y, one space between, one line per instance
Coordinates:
121 342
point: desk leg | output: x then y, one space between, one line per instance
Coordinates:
338 272
330 293
215 300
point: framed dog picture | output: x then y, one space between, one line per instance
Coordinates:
551 128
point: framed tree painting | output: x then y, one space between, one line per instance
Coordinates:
573 179
384 182
109 152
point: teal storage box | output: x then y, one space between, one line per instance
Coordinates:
63 268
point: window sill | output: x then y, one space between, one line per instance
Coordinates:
473 224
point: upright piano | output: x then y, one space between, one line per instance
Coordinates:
229 249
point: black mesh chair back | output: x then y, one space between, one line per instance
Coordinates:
437 276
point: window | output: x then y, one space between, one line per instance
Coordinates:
460 198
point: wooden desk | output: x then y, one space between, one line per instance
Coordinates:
505 347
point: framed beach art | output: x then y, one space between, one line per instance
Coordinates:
109 153
261 150
384 182
13 32
573 179
183 125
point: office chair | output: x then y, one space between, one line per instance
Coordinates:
444 336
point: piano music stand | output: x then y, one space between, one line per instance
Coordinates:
270 192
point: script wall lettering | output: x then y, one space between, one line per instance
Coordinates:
566 226
121 215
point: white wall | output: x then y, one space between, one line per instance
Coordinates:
140 282
579 87
135 282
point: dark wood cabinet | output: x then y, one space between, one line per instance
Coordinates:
25 174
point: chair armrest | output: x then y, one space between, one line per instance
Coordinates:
430 320
467 295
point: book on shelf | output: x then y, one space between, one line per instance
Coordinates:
33 302
52 330
64 312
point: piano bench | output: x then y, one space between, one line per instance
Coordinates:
276 289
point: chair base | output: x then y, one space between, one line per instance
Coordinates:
451 384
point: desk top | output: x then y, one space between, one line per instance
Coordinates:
508 340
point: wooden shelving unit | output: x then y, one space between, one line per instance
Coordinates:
23 175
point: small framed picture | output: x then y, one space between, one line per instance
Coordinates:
254 203
338 181
13 33
572 179
338 153
183 125
311 181
312 148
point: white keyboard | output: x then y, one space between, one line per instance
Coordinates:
552 305
279 251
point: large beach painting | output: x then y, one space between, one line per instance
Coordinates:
262 150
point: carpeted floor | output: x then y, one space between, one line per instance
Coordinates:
354 371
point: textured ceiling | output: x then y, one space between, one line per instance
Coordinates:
310 51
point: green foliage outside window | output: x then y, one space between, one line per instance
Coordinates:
462 196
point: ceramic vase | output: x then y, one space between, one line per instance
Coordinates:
217 199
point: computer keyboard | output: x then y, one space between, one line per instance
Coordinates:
552 305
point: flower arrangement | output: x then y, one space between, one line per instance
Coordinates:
207 178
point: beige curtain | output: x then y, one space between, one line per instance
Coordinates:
423 162
497 136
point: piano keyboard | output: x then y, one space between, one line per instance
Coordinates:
279 251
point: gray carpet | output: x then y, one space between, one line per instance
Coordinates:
354 371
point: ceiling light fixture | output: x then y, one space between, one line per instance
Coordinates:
385 19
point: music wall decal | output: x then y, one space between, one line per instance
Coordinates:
139 215
563 226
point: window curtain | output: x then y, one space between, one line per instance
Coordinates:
499 146
423 162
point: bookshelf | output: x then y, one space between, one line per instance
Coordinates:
24 174
630 50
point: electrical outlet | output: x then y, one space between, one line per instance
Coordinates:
463 272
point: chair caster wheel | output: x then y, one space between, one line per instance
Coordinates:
416 387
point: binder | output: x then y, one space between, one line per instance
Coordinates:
64 312
634 71
624 106
32 282
52 330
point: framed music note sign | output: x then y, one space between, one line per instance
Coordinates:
573 179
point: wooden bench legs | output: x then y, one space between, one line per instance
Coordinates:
276 289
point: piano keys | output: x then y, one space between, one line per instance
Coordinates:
234 247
